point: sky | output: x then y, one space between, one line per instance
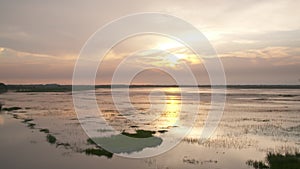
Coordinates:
258 41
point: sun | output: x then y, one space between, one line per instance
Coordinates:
173 48
177 53
169 45
174 59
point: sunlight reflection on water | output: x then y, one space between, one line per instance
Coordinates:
254 122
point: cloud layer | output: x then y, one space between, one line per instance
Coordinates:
258 41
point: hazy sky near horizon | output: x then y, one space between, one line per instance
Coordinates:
257 41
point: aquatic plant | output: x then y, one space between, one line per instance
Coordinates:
11 108
44 130
90 141
128 142
98 152
277 161
257 164
140 134
288 161
65 145
27 120
31 125
51 139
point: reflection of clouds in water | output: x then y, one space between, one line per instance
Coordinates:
1 120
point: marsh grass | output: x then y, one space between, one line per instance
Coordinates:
277 161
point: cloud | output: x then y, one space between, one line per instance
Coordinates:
61 27
258 41
260 71
24 67
248 41
292 55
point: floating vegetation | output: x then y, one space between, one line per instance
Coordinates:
11 108
287 95
31 125
65 145
257 164
277 161
45 130
140 134
27 120
193 161
15 116
51 139
98 152
190 161
90 141
128 142
162 131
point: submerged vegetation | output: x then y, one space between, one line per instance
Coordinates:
130 144
277 161
95 150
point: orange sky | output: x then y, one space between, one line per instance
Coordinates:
257 41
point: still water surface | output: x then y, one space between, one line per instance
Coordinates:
46 133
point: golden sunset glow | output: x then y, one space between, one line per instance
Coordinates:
266 44
171 112
174 59
150 84
169 45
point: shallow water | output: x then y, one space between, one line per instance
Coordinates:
254 122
